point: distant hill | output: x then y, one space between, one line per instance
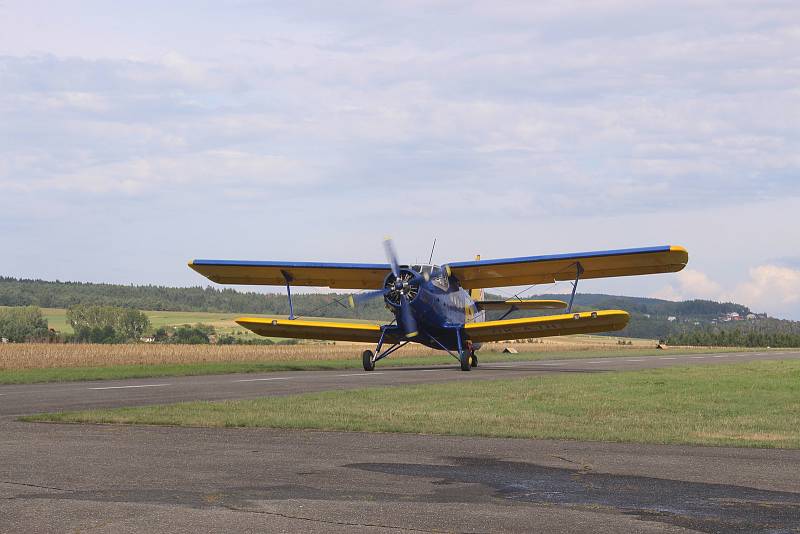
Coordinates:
655 307
650 318
657 318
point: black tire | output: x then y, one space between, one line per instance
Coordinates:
466 361
474 362
366 359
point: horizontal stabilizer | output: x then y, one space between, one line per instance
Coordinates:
300 329
553 325
519 304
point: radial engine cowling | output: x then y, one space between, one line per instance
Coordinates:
407 283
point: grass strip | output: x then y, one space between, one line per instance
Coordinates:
122 372
754 404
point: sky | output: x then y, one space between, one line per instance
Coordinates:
135 136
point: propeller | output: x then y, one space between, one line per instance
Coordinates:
397 290
360 298
391 255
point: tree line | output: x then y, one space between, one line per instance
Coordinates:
760 333
110 324
47 294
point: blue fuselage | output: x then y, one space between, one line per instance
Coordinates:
440 307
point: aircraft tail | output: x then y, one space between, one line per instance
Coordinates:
476 294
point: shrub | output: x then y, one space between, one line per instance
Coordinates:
23 324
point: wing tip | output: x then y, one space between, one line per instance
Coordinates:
679 249
682 253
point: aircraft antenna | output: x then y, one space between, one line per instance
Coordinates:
430 260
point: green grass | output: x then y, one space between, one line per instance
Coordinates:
748 405
57 319
222 322
121 372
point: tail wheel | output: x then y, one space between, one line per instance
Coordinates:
366 359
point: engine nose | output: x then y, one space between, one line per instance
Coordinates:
406 284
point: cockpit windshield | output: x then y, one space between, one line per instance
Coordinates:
439 278
434 273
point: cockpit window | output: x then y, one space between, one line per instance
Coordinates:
434 273
439 278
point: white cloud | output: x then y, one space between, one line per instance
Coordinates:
215 169
771 288
691 284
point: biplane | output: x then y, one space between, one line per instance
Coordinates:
443 306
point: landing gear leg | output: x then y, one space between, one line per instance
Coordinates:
464 354
366 359
369 358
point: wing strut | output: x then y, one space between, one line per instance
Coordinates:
578 273
288 277
511 310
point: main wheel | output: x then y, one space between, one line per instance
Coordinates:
474 362
366 359
466 361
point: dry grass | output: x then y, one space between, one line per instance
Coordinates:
47 356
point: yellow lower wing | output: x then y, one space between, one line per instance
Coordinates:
297 328
553 325
521 304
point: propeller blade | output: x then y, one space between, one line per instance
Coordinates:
409 323
360 298
391 255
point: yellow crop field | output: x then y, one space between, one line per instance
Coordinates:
43 355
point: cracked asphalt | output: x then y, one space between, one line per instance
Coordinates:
91 478
94 478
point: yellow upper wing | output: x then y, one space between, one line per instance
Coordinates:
273 273
298 328
471 274
520 304
549 269
553 325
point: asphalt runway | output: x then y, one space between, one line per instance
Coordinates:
69 478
